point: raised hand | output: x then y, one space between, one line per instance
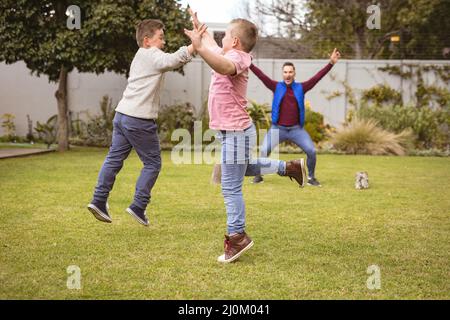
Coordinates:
195 22
207 38
196 36
335 56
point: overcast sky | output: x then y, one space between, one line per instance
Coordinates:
226 10
214 10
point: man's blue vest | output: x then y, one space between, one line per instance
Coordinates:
279 94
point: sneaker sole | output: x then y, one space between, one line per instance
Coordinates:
134 215
260 181
98 214
319 185
303 169
238 254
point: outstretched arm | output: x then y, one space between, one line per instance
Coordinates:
170 61
308 85
217 62
269 83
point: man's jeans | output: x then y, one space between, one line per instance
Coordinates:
140 134
237 163
296 134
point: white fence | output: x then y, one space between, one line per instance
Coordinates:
22 94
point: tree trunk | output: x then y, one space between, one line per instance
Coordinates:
359 45
61 97
357 50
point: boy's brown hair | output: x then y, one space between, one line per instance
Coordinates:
147 28
246 31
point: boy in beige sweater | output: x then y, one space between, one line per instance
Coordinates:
134 124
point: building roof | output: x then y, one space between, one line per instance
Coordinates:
272 48
279 48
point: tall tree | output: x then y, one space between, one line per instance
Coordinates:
344 24
426 29
421 25
36 32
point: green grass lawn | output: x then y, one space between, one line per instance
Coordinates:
310 243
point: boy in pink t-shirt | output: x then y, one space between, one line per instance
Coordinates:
227 104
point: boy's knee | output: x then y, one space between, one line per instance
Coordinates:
115 163
231 190
156 165
153 163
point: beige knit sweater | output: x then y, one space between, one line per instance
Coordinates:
142 94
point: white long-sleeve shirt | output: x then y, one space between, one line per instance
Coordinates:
142 94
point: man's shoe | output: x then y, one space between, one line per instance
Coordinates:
235 246
314 182
138 214
258 179
296 169
100 211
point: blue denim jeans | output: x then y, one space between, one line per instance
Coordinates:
128 133
237 163
296 134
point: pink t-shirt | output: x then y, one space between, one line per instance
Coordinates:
227 100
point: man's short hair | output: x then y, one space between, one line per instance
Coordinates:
290 64
147 28
246 31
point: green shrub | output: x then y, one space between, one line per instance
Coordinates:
8 126
14 139
47 132
365 137
30 136
429 153
381 94
99 128
430 127
315 126
180 116
78 127
97 131
260 114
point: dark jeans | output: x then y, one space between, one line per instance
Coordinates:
142 135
